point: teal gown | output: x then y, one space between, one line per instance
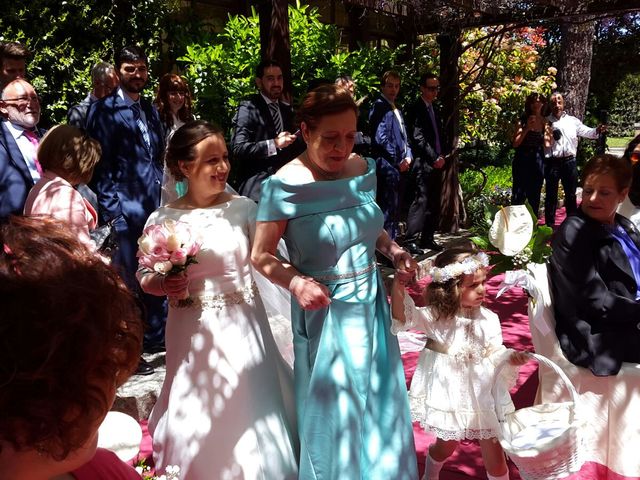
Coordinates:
351 398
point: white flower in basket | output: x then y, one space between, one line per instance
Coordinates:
544 441
511 229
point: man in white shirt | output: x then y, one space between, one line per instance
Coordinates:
561 164
19 138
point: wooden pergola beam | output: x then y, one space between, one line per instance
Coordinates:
433 17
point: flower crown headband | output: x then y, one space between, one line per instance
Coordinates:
465 267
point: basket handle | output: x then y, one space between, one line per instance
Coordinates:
498 387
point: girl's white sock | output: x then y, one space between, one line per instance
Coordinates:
499 477
432 469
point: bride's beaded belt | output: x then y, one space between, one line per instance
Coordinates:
218 302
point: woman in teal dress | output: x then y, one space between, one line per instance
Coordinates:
353 415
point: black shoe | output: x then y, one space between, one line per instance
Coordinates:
432 245
156 348
413 249
144 368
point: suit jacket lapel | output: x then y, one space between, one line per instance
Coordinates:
265 113
15 155
618 256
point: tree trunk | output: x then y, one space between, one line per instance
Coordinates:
274 38
451 206
574 68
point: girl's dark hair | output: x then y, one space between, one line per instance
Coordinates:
445 297
182 146
528 103
324 100
173 83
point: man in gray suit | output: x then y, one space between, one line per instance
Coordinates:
103 80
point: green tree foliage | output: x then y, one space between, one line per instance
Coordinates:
625 106
67 37
221 67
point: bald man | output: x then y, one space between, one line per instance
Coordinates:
19 138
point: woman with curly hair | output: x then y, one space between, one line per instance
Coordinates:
70 334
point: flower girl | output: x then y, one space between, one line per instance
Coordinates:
451 389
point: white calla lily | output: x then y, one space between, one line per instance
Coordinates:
511 230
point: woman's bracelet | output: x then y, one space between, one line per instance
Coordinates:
295 279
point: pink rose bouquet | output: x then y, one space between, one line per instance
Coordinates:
168 248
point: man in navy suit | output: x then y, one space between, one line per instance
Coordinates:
262 141
424 126
19 137
128 177
392 148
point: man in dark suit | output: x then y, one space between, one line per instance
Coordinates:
262 141
424 126
19 138
103 80
391 147
128 177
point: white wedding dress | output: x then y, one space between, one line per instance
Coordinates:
226 407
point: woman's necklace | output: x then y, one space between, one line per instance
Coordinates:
317 171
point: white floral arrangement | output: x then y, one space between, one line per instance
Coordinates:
513 238
465 267
172 472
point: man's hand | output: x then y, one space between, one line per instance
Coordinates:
284 139
439 163
404 164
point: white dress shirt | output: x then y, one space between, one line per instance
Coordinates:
27 149
571 128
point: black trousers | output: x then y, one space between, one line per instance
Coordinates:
527 173
559 170
424 212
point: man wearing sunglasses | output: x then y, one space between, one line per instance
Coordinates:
424 127
19 138
128 177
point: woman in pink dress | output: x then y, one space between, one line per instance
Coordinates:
67 156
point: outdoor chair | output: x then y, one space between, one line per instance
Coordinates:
609 404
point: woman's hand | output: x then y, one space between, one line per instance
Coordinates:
405 265
175 284
310 294
518 358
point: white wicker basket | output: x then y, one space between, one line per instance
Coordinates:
544 441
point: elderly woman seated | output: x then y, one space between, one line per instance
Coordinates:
70 334
594 273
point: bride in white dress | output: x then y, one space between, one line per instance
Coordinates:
225 409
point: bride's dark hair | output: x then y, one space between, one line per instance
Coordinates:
182 146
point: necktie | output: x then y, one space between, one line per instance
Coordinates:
435 129
275 114
33 138
142 126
